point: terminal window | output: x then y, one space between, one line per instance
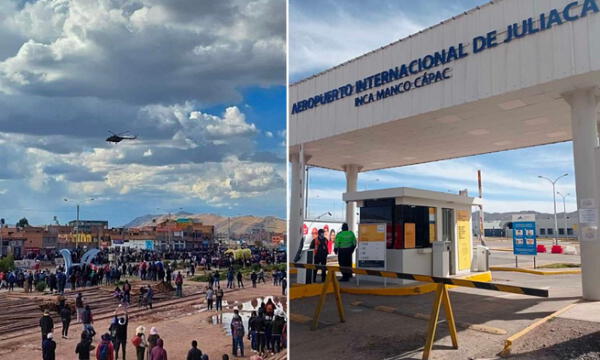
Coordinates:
550 231
542 231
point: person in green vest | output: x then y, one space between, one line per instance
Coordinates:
345 243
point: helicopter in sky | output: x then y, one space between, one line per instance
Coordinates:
117 138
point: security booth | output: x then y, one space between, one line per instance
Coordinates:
426 232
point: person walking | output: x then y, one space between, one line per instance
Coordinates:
237 333
84 347
253 277
319 246
345 243
230 275
65 316
79 306
220 295
158 352
179 284
49 348
88 319
209 298
46 324
194 353
139 342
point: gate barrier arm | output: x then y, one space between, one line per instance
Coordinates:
441 296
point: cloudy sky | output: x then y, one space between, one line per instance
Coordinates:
324 33
201 83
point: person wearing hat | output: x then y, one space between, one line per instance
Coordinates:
320 249
140 343
152 340
46 324
277 329
49 347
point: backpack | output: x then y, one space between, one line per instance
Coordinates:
238 328
103 351
136 341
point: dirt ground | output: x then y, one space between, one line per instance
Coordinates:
178 325
560 339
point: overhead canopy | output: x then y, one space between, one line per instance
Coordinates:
504 96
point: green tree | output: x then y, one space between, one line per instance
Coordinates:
7 263
23 223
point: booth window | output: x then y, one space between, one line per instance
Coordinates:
380 212
414 226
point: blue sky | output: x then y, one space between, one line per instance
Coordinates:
326 33
202 84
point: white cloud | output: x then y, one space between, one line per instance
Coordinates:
268 134
148 152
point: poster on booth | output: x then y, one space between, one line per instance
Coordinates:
310 230
371 246
463 224
524 235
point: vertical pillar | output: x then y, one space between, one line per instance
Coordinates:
351 171
296 210
584 123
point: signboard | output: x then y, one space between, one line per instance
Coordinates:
463 223
371 246
524 235
149 245
310 230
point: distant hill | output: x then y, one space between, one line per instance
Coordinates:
239 224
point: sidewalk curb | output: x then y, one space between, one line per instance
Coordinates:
535 272
508 342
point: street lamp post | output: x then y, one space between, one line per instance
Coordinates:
553 182
564 209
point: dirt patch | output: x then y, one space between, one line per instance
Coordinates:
560 339
381 347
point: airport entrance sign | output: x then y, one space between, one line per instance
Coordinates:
524 235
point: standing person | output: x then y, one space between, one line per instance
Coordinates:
284 286
121 334
345 243
220 295
46 324
105 350
261 276
158 352
217 278
209 298
179 284
230 275
127 292
149 297
79 306
152 340
49 348
84 347
237 332
139 342
260 333
319 246
194 353
239 279
65 316
277 330
253 277
252 331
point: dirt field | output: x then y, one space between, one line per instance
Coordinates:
178 321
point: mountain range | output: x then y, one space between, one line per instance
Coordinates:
239 224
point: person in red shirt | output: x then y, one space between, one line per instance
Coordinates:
105 351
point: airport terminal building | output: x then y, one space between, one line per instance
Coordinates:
509 74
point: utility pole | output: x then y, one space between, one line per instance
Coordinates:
553 182
564 209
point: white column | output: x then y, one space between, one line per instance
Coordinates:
296 210
584 103
351 171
